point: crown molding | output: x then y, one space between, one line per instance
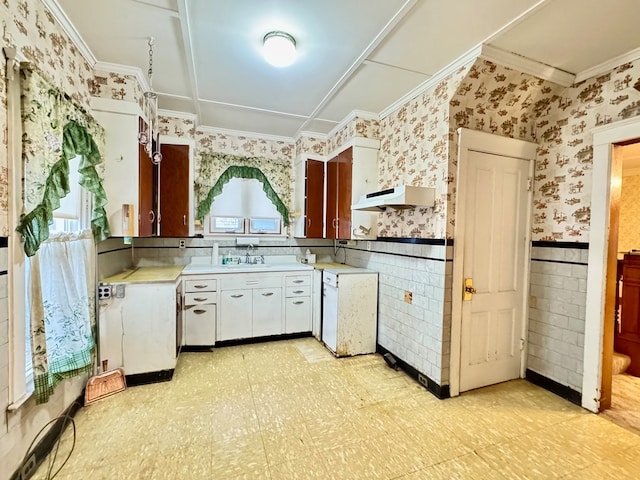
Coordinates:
350 118
433 80
125 70
307 134
176 114
526 65
56 10
608 65
240 133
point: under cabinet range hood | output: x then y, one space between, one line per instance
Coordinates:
404 196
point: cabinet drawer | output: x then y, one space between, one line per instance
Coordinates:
301 291
297 315
207 285
298 280
249 281
200 298
200 325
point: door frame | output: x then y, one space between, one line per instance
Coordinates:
600 255
474 140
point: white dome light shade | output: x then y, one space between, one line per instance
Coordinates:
279 49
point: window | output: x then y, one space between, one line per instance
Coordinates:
73 215
243 208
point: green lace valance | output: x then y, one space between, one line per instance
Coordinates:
236 171
34 226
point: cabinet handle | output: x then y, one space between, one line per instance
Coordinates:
298 281
200 286
237 295
199 311
308 222
152 216
295 291
267 294
299 302
184 219
334 222
200 299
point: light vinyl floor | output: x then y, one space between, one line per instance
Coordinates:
290 410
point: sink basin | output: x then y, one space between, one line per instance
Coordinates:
245 266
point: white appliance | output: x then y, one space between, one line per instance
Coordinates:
350 310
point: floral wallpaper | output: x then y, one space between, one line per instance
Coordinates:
358 127
177 126
116 86
629 226
414 151
562 187
306 145
30 27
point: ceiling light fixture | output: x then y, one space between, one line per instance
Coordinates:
279 48
151 138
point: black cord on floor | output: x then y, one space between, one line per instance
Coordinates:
67 418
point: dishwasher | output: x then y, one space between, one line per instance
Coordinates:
349 310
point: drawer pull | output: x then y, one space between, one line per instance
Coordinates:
298 281
237 295
299 302
200 299
298 291
200 286
267 294
199 311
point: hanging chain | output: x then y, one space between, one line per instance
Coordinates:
150 71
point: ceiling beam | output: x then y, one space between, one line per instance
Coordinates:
377 40
187 43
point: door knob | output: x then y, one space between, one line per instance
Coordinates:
468 289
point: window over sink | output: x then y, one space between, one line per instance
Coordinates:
243 208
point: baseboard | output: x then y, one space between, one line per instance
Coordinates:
149 377
268 338
554 387
48 440
440 391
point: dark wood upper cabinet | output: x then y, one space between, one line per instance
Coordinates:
338 217
174 191
146 189
314 199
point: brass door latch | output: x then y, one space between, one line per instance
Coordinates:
468 289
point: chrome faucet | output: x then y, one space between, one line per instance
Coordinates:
248 260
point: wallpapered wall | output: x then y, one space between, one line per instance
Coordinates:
562 190
32 29
629 230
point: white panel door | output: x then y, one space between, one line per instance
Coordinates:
494 252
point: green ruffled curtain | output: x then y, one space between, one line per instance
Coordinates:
216 169
56 129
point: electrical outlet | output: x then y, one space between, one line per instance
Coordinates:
104 292
29 467
182 243
408 296
119 293
422 380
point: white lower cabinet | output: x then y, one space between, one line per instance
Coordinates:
297 314
200 311
249 305
236 315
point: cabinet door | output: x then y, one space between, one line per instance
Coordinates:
314 198
345 162
146 213
297 315
267 311
236 311
200 325
331 218
174 191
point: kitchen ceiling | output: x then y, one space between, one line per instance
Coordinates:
360 55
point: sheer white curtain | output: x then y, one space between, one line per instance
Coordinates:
62 314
